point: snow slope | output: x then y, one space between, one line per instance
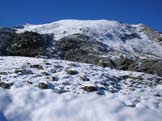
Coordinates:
111 33
120 95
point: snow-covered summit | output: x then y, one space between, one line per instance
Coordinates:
130 39
67 27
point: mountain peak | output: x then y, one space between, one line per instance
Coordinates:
123 37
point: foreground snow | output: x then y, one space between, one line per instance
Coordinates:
120 95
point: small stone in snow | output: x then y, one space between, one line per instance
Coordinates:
157 95
23 71
5 85
72 72
53 70
52 78
90 88
43 85
113 90
72 64
84 78
29 82
45 73
3 73
129 104
37 66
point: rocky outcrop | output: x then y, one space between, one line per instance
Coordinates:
24 44
6 36
151 66
152 34
81 48
125 37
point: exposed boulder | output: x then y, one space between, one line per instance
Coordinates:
53 78
23 71
72 72
106 62
37 66
89 88
5 85
3 73
151 66
43 85
124 63
84 78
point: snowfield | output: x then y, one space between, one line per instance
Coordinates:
35 89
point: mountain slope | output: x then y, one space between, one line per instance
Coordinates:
117 45
80 70
131 40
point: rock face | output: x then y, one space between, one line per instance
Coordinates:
152 34
24 44
151 66
6 36
81 48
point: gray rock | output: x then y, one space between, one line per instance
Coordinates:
84 78
89 88
45 73
125 37
105 62
152 34
5 85
3 73
72 72
43 85
23 71
37 66
52 78
151 66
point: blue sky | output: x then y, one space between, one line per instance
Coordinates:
17 12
